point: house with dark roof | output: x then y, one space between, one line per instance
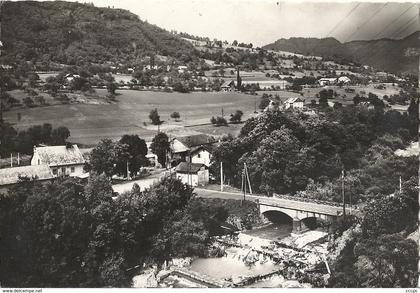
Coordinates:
193 148
62 160
193 174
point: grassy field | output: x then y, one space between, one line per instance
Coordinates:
89 123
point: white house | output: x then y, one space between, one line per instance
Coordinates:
327 81
272 106
62 160
294 103
70 77
182 69
193 174
195 148
343 80
200 155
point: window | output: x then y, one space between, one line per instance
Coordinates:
54 170
39 163
198 155
71 169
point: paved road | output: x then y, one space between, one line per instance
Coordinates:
142 183
272 201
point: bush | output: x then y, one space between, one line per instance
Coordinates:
218 121
28 102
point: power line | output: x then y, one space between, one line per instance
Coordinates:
342 20
405 26
376 49
394 21
368 20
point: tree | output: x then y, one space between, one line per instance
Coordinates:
160 147
265 101
28 102
218 121
109 158
235 43
60 135
154 117
236 117
387 261
137 151
175 115
111 87
33 79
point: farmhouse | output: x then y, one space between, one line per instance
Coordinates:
272 106
327 81
343 80
62 160
70 77
193 148
228 86
12 176
293 103
192 174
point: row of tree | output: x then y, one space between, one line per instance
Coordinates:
23 141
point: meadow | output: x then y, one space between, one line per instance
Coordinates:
90 123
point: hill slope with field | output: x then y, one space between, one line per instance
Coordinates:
70 33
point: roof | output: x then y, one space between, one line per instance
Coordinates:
293 100
196 149
196 140
60 155
185 167
228 83
12 175
328 79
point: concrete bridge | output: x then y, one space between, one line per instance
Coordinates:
303 214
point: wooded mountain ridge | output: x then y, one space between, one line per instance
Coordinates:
384 54
70 33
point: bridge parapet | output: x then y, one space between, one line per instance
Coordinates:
309 200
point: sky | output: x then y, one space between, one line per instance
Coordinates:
263 21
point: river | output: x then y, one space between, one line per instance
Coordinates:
234 266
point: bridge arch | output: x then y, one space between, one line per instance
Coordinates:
310 223
278 217
301 220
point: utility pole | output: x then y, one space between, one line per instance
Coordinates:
18 160
247 177
221 176
244 181
128 172
400 186
222 113
11 160
342 192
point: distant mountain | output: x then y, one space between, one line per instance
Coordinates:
384 54
67 32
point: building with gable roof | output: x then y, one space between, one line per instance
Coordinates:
192 148
62 160
294 103
12 176
193 174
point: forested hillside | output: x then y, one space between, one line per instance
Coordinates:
71 33
385 54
